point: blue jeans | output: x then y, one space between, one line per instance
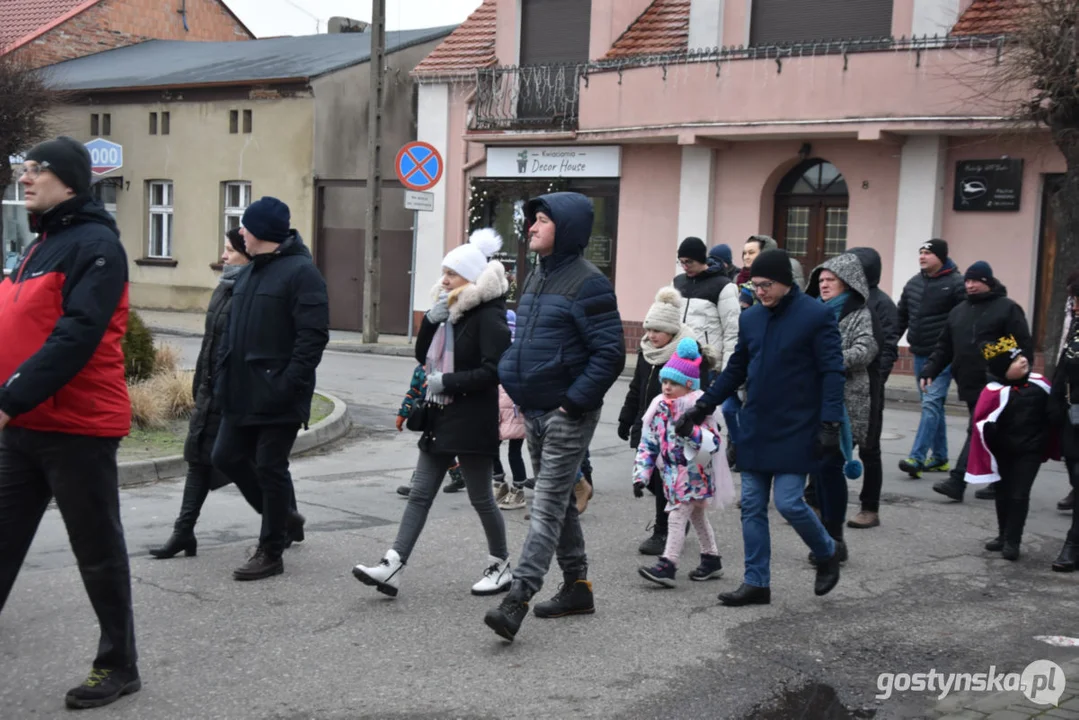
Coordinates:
730 408
791 505
932 435
557 445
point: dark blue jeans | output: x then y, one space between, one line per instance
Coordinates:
557 445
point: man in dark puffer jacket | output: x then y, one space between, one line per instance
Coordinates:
987 314
923 312
568 351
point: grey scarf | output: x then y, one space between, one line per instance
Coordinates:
229 273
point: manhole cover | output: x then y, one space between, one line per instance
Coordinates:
890 436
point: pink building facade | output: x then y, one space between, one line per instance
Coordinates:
728 118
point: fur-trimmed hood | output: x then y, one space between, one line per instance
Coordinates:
489 285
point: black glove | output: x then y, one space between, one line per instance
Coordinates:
623 431
638 489
828 439
693 417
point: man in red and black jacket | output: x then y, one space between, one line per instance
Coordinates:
64 404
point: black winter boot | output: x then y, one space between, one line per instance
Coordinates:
1068 558
262 564
180 540
574 597
951 488
506 619
827 574
103 686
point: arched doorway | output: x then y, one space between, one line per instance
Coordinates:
811 212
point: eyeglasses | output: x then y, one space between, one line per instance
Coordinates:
766 285
34 171
685 262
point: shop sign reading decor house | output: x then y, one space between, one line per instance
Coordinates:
563 161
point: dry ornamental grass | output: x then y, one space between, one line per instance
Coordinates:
165 396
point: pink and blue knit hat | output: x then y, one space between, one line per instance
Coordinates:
684 367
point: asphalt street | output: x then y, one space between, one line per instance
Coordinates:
918 593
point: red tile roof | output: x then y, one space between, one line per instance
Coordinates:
470 46
989 17
21 20
662 28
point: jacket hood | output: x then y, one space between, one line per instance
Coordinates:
847 268
870 260
572 214
767 242
948 268
74 211
490 285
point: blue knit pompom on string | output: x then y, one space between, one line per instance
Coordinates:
852 469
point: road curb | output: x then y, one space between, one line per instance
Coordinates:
332 427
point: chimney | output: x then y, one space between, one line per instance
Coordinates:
346 25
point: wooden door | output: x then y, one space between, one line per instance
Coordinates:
1047 255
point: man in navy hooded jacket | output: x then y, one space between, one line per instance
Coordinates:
789 357
568 351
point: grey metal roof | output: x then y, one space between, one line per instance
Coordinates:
170 63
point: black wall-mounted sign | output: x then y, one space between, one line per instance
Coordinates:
988 185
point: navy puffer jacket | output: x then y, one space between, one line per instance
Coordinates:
569 347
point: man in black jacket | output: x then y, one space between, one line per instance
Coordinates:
64 404
886 328
923 312
987 314
278 328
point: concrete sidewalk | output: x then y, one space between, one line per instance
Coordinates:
901 388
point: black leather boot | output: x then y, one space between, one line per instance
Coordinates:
1068 558
827 574
746 595
951 488
180 540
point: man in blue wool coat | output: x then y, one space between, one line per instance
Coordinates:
568 351
790 359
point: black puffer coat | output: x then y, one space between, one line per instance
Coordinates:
206 417
1066 392
884 312
982 318
469 425
924 306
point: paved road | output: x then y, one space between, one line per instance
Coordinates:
918 593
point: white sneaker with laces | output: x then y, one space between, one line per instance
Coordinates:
496 578
385 577
512 500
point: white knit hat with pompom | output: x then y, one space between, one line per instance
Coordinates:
665 315
470 259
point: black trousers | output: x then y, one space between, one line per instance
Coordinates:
869 451
959 470
1073 477
655 485
80 473
1017 473
256 459
197 485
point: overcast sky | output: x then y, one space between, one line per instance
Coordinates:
267 18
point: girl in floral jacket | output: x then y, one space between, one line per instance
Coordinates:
695 474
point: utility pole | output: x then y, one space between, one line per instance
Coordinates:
371 254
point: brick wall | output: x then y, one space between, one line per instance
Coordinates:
116 23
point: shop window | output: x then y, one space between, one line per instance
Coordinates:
786 22
16 226
811 212
160 227
236 196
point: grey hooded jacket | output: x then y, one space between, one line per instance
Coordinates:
859 340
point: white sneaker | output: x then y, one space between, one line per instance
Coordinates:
385 576
512 500
496 578
501 490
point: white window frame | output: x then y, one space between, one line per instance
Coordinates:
19 201
165 211
234 211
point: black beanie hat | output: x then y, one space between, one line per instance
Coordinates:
938 247
267 219
982 271
67 159
774 265
694 249
1000 355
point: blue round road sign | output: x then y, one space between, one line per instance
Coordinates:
419 166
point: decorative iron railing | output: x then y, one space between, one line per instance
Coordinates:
532 96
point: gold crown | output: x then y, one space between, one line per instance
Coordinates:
1003 346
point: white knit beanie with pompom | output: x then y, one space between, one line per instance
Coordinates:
470 259
665 315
